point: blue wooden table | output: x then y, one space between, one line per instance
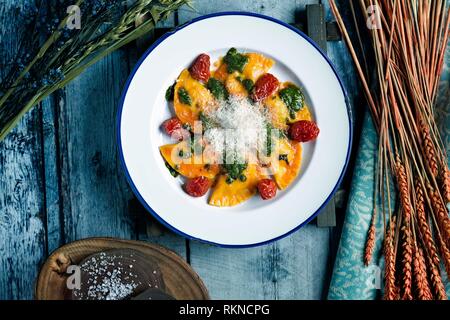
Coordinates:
60 180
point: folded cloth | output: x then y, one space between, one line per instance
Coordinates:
351 279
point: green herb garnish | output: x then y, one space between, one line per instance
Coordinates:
272 132
217 89
172 171
184 96
293 98
235 61
195 145
269 141
170 92
207 122
248 84
235 171
242 177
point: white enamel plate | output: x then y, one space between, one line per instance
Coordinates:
143 109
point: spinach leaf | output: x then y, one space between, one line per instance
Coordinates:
184 96
217 89
235 61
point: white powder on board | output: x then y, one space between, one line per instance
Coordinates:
108 279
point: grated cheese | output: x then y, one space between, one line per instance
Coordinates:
239 127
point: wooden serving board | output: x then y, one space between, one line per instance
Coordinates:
181 281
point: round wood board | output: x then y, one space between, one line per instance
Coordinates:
181 281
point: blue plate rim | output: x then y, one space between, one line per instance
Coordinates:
131 76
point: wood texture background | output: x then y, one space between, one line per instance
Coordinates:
60 180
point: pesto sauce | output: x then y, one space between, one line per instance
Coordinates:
235 171
270 132
184 96
170 92
235 61
293 98
217 89
248 84
172 171
207 123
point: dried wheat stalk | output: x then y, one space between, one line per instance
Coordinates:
445 178
390 290
407 55
436 281
420 276
424 228
429 151
370 242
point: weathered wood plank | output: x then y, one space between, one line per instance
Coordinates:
285 10
340 57
295 267
95 194
292 268
55 236
94 191
22 228
316 30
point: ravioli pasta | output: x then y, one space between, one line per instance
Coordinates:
204 100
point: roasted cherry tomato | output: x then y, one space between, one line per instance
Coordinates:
197 187
304 131
199 70
264 87
267 189
174 128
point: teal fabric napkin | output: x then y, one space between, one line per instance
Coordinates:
351 279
